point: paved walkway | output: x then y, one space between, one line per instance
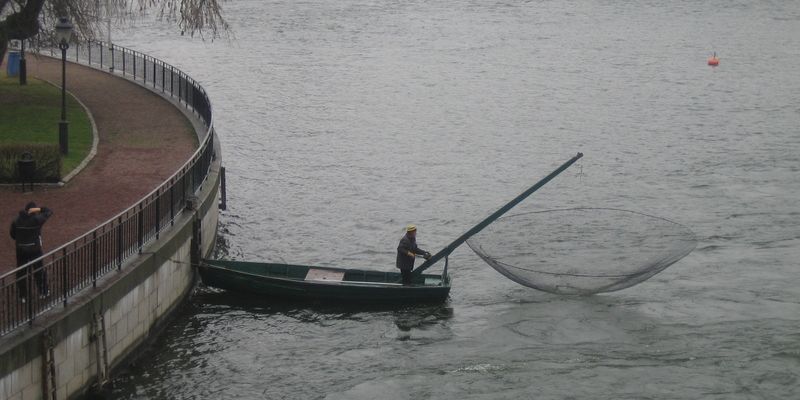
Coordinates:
143 140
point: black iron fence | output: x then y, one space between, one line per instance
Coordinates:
51 280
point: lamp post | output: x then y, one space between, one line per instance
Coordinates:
63 34
23 69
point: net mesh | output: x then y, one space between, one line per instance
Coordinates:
582 251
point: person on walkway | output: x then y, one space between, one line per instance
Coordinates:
26 230
407 250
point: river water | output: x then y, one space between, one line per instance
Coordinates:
342 121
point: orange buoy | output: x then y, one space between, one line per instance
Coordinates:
713 60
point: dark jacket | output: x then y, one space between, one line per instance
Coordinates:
405 261
26 229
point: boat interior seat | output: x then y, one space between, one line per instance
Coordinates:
287 271
365 276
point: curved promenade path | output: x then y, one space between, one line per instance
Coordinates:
143 140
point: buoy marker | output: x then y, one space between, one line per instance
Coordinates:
713 60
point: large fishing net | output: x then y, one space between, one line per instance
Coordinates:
582 250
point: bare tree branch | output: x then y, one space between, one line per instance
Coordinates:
21 23
22 19
3 4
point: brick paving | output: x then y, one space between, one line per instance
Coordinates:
143 140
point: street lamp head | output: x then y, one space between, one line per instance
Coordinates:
63 32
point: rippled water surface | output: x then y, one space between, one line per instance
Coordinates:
342 121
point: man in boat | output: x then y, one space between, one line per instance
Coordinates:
407 251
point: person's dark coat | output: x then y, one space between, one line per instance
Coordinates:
405 261
26 230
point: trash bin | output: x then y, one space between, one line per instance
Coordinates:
13 63
26 169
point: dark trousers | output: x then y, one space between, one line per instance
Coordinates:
25 255
406 273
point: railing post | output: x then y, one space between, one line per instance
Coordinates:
154 73
90 53
95 258
172 203
113 64
184 187
119 243
194 102
124 69
163 75
223 190
134 66
100 45
140 227
158 212
64 270
28 279
191 172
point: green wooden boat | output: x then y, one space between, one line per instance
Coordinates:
322 283
339 284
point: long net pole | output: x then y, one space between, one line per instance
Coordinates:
497 214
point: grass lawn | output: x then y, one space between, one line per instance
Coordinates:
31 113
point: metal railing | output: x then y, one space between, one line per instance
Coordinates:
52 279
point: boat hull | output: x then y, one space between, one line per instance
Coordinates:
321 283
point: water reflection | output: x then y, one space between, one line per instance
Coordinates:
412 315
420 317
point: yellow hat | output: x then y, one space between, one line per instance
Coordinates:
411 228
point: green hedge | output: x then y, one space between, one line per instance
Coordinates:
46 156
